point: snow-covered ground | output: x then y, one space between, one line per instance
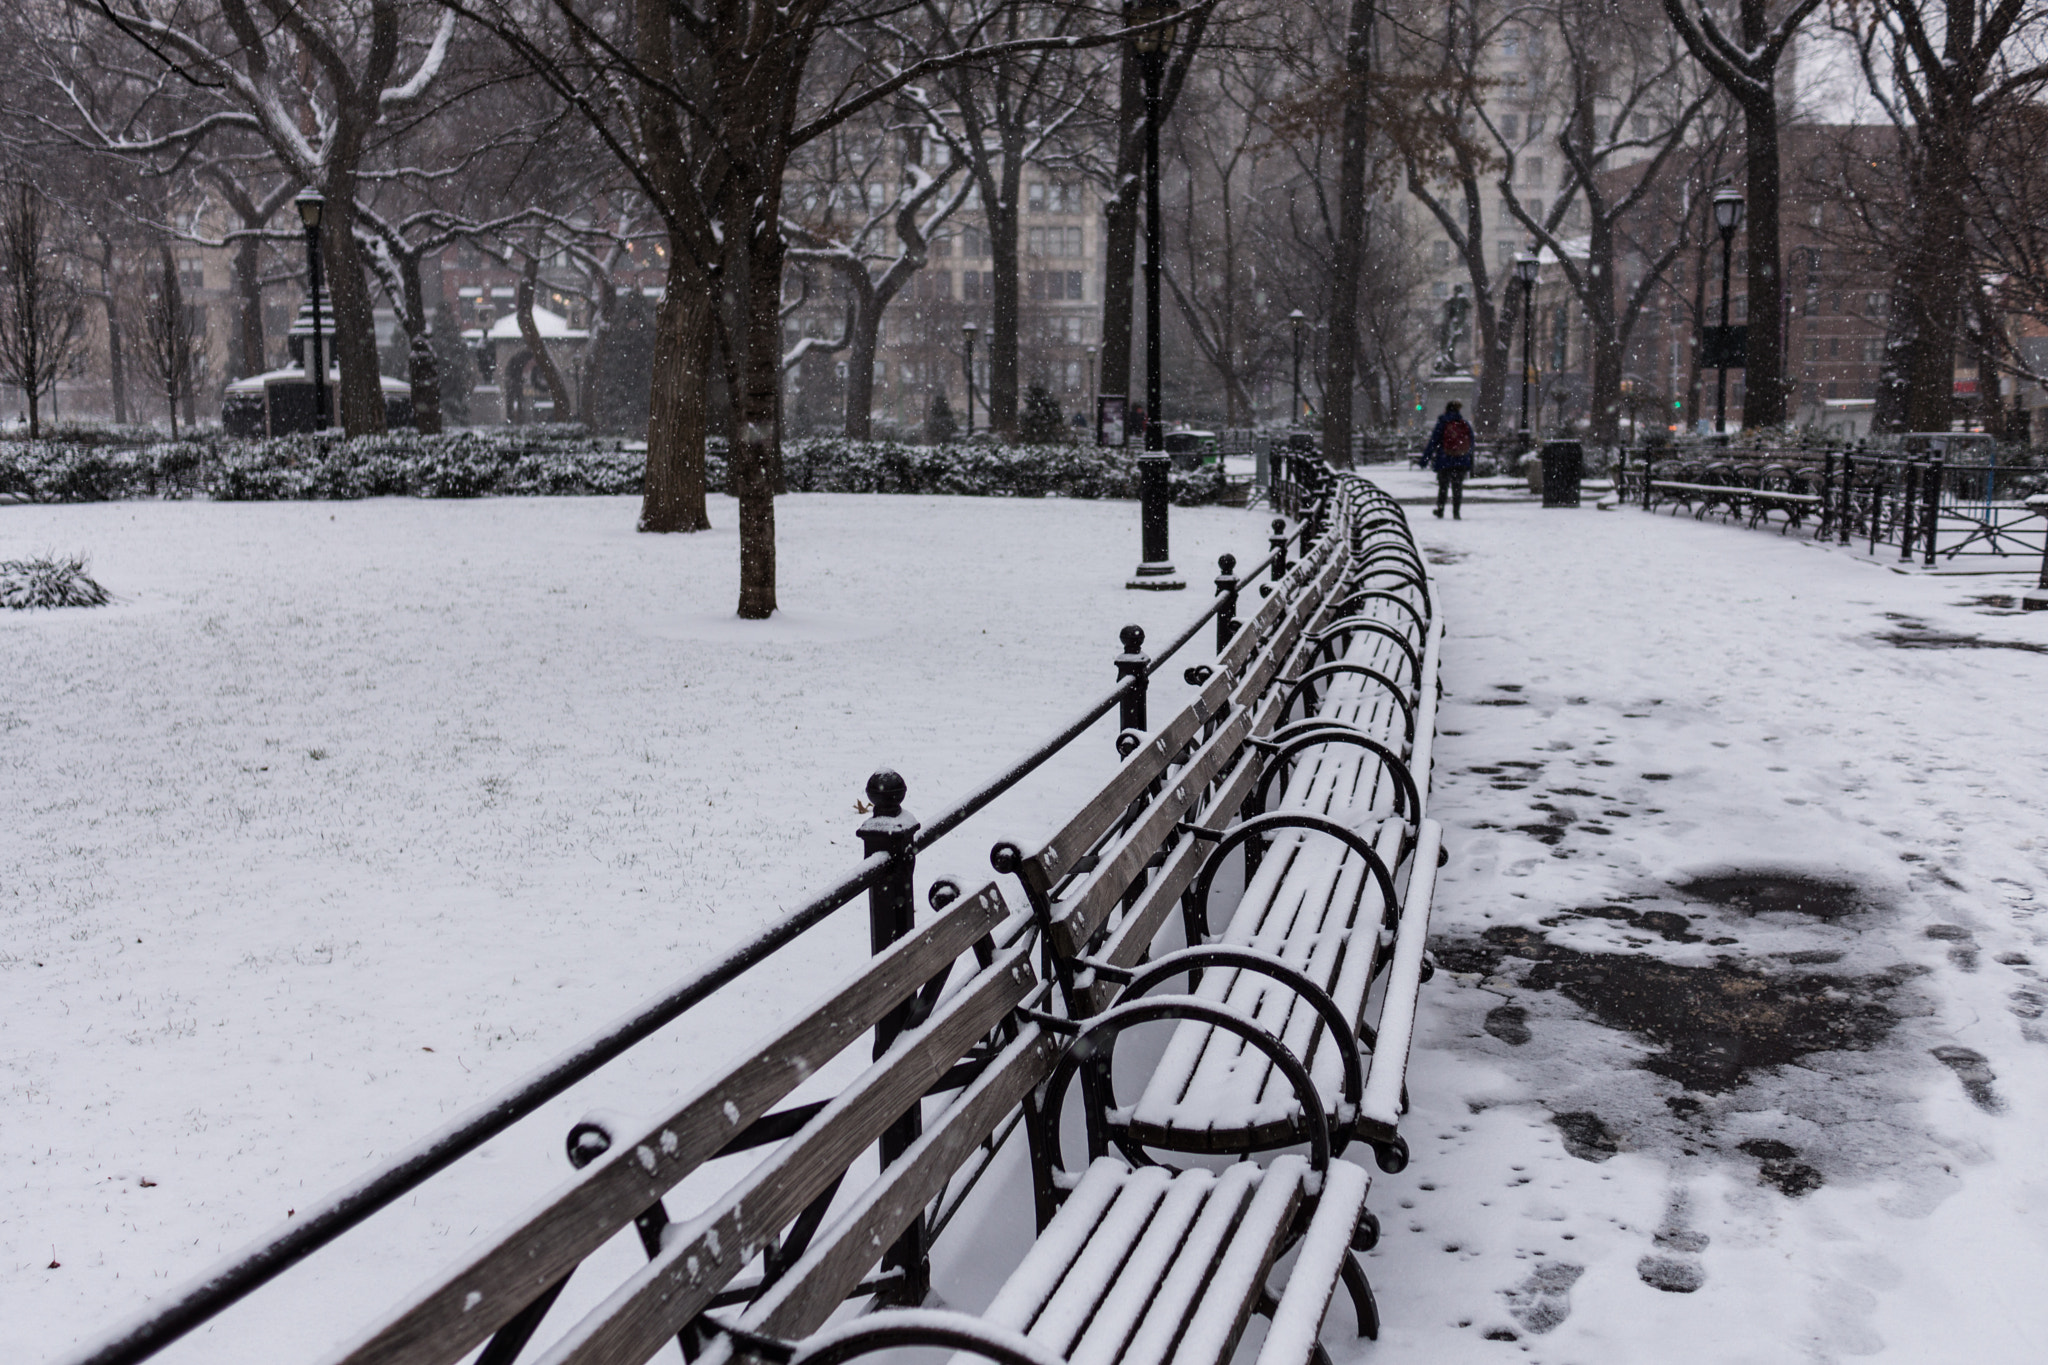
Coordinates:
346 814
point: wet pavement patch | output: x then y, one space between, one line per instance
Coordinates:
1779 1165
1714 1022
1976 1075
1509 1023
1915 634
1586 1136
1765 893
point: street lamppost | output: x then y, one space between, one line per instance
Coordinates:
1297 317
1089 351
1727 217
1155 566
309 205
967 331
1526 266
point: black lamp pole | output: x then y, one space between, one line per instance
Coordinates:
1155 566
1526 266
309 205
967 330
1297 317
1727 217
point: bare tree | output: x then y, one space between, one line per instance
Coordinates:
871 276
1944 71
42 310
165 342
1744 62
316 85
1615 157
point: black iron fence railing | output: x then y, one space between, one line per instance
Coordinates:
1927 508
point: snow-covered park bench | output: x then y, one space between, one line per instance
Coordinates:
807 1204
1325 946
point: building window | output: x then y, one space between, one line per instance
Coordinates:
1532 170
1442 253
1440 290
1073 376
1034 196
1510 127
1074 243
970 285
942 246
1535 125
1642 126
1834 347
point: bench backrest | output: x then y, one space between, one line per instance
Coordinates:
492 1284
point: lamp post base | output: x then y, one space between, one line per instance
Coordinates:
1156 578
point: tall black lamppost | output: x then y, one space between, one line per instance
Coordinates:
1727 217
1526 266
309 204
967 331
1155 566
1297 317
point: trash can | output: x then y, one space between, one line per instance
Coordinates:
1564 469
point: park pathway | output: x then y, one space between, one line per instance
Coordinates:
1737 1051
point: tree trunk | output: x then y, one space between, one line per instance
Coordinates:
751 309
1348 254
529 332
1763 402
860 363
423 364
249 289
1120 235
355 325
1604 424
117 374
672 494
1490 349
1004 313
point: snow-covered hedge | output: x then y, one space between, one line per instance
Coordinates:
548 460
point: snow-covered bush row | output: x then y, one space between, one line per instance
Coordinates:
978 469
548 460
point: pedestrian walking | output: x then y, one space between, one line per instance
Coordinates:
1449 453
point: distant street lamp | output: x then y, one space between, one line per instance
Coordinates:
1526 266
1155 567
967 330
1089 351
1297 317
1727 217
309 205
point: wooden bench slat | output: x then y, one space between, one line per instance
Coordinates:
1037 1278
1383 1081
1232 1289
1096 1272
1149 1263
1082 914
832 1266
1168 1312
701 1255
467 1303
1298 1321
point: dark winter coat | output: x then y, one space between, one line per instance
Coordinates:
1434 450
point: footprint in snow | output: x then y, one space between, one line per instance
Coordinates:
1544 1300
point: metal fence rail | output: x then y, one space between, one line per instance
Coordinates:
1927 508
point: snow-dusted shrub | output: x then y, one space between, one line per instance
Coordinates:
59 471
833 464
49 581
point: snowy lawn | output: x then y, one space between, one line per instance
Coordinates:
345 814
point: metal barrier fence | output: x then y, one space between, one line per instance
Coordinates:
1927 508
